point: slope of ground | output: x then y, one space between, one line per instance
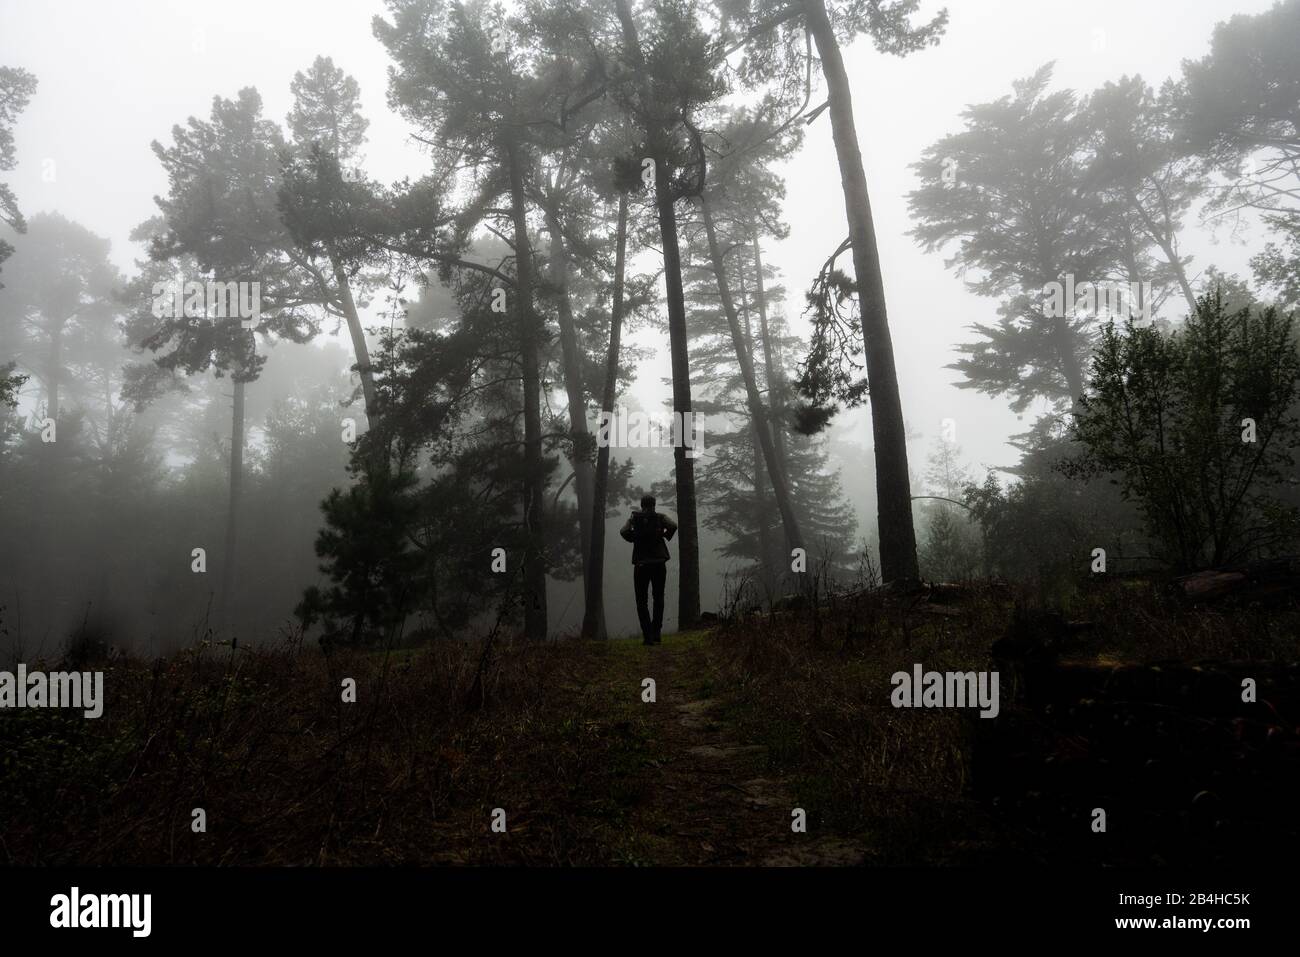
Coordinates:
557 745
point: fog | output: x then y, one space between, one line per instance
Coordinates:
115 77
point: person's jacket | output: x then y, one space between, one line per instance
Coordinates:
649 533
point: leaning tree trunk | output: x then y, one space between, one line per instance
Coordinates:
534 569
893 484
775 377
1167 247
688 589
593 619
1164 238
571 353
757 412
359 347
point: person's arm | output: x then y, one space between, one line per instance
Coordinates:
670 527
626 530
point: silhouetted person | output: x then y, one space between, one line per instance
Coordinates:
649 532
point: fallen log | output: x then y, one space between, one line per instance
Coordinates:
1273 579
1209 585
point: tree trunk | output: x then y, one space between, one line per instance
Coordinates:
1164 238
56 363
583 478
761 506
534 570
229 559
1181 274
757 412
593 619
775 375
1070 365
893 484
108 415
359 347
688 588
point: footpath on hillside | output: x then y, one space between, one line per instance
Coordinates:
703 796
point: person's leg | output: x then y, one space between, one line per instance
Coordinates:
641 585
659 575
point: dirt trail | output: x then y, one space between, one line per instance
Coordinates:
707 796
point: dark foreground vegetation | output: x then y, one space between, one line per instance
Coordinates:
327 482
1126 696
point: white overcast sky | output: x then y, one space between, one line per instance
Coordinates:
116 74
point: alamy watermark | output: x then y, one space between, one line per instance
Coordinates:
76 909
621 429
946 689
57 689
175 299
1119 300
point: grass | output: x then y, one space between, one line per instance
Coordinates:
559 737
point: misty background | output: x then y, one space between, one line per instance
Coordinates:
114 77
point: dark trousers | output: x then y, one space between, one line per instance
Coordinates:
644 576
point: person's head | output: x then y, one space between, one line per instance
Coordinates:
647 503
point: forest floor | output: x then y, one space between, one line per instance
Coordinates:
704 792
262 756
